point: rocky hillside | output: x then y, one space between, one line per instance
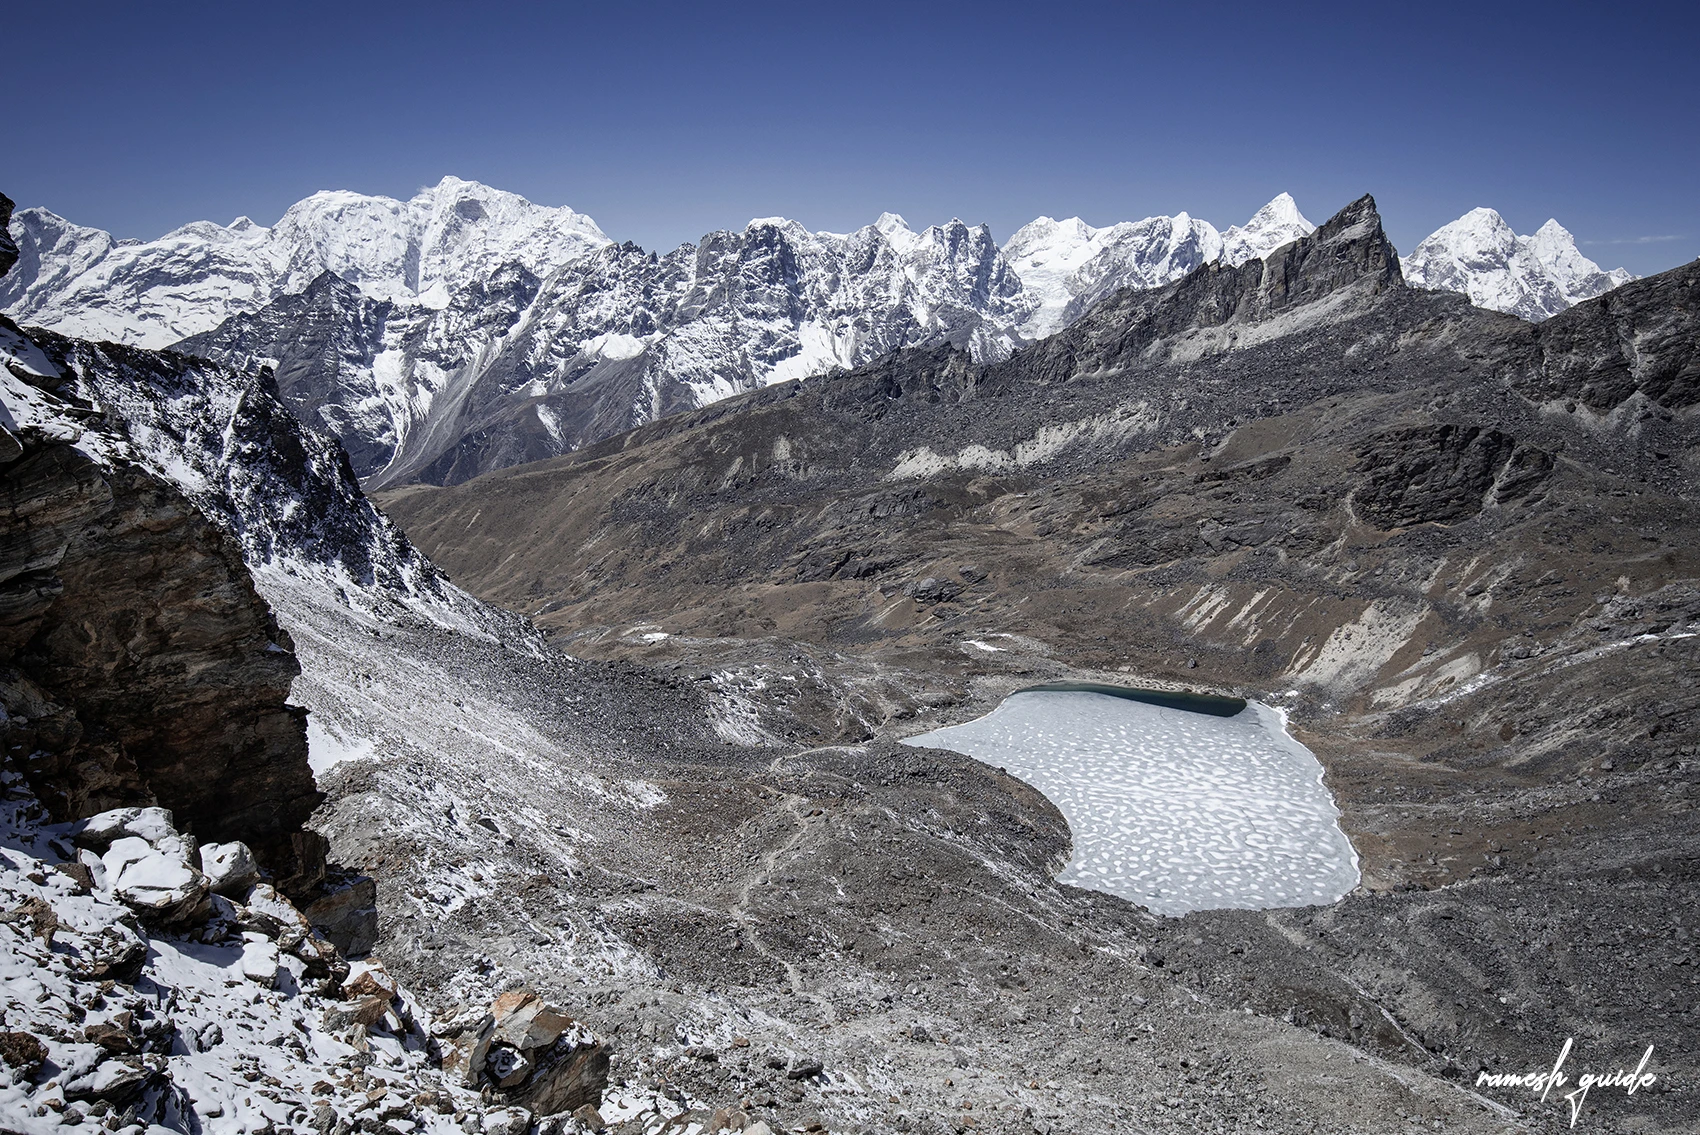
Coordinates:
1451 543
144 667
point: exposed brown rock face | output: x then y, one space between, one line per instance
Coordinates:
1437 474
138 664
8 247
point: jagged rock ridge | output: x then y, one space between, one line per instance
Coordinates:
467 329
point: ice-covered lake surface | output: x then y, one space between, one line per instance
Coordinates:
1175 810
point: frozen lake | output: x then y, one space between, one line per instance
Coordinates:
1172 809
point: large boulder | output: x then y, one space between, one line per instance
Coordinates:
259 959
97 833
568 1075
346 913
230 868
157 880
528 1048
567 1063
465 1046
524 1021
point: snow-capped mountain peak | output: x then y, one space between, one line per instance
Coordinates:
1534 277
406 326
1276 224
154 293
889 223
1555 248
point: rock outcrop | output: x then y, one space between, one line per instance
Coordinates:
541 1058
8 247
140 665
1636 339
1443 473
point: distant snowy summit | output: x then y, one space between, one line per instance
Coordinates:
456 234
1534 277
468 329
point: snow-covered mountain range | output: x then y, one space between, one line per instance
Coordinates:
468 329
1067 266
1534 277
81 282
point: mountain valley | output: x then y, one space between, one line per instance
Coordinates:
1448 542
648 763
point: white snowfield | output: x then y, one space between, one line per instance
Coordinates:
1534 277
1174 810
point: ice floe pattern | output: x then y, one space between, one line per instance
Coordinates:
1176 811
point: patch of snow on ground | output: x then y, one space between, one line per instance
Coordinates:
1176 811
327 747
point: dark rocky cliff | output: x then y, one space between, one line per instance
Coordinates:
141 666
8 247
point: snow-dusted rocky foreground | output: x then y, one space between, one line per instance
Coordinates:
1174 810
153 985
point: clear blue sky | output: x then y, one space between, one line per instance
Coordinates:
665 121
